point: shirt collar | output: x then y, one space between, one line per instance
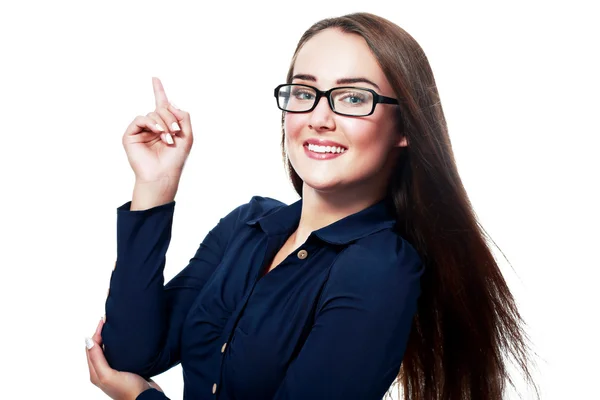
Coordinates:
374 218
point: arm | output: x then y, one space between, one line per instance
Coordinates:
144 317
361 328
116 384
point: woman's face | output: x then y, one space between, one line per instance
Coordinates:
331 59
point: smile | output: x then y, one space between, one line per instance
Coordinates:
323 152
325 149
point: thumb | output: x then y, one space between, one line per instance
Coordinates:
183 118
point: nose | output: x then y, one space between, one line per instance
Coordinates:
322 117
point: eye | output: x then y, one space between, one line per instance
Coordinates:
303 94
352 98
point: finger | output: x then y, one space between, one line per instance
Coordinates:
170 119
93 375
158 119
98 361
165 136
160 97
184 121
142 124
98 334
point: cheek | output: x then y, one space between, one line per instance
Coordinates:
370 138
359 133
293 124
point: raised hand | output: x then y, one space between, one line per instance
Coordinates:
158 144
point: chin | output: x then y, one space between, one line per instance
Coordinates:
318 177
321 185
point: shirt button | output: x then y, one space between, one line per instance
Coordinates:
214 388
302 254
223 348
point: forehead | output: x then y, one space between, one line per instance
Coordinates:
332 54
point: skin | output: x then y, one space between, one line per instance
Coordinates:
332 189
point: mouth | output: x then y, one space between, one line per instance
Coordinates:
319 152
318 149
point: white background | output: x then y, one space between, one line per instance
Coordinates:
519 86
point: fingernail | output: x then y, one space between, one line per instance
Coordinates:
89 343
160 128
175 126
104 318
169 138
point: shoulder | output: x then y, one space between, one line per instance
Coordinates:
382 253
259 206
383 263
237 218
256 207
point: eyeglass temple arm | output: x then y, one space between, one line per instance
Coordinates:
386 100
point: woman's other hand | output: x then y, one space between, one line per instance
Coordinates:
116 384
158 144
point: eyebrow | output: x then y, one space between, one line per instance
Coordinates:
343 81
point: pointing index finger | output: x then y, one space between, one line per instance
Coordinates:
160 96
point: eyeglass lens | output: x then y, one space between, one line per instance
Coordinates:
348 101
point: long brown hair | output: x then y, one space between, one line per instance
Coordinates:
467 321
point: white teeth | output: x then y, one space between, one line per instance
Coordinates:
325 149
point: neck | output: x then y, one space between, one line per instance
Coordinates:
321 209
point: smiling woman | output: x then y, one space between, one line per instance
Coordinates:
369 132
379 271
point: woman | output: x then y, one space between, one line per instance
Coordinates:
379 271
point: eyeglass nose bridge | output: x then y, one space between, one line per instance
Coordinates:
326 94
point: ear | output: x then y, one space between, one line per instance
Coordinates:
402 142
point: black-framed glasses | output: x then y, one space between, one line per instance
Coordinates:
345 100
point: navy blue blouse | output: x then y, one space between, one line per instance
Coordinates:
330 322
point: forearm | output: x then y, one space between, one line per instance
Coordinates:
136 324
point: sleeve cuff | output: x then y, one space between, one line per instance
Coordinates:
152 394
127 208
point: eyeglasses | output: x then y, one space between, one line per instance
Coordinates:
347 100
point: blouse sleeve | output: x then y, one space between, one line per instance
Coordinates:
152 394
364 316
144 318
